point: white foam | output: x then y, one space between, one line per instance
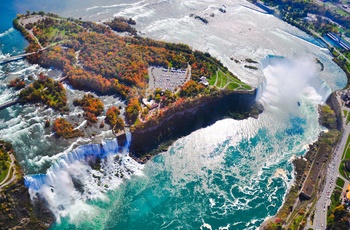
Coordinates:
70 181
7 32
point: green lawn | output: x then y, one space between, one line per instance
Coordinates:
232 86
347 155
226 81
223 79
341 12
348 118
212 80
345 112
340 182
3 173
346 148
341 171
335 198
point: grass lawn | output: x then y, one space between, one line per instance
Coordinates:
232 86
347 155
341 12
3 173
218 82
245 86
223 79
346 147
341 171
212 80
340 182
348 118
345 113
335 198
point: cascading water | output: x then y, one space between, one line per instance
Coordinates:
297 78
73 179
203 181
231 175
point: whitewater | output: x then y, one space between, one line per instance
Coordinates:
231 175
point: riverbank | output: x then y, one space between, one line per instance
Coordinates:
310 171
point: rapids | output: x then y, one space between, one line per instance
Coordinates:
231 175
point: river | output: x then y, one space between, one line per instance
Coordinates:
231 175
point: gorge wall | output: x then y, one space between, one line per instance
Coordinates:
191 115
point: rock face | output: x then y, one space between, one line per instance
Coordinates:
191 116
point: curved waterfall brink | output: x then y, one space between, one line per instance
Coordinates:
290 81
86 173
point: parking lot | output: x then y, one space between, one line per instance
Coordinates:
170 78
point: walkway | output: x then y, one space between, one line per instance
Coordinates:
8 104
15 58
8 181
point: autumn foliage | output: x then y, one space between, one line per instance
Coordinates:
111 115
121 24
191 88
112 118
92 107
95 59
132 110
63 128
17 83
46 91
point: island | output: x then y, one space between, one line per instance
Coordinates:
168 90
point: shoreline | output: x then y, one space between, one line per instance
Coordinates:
298 198
174 139
188 106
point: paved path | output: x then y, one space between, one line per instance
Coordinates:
6 181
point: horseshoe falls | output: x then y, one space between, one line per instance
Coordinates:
231 175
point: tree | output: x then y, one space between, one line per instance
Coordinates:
132 110
112 115
63 128
92 107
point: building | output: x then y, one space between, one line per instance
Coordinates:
346 98
149 104
204 81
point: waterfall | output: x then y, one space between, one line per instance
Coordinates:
321 88
286 81
85 173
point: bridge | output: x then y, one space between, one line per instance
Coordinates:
15 101
8 104
15 58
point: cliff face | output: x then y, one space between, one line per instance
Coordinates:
191 116
335 106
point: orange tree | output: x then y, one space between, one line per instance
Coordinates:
132 110
63 128
112 115
92 107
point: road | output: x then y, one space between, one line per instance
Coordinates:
320 218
